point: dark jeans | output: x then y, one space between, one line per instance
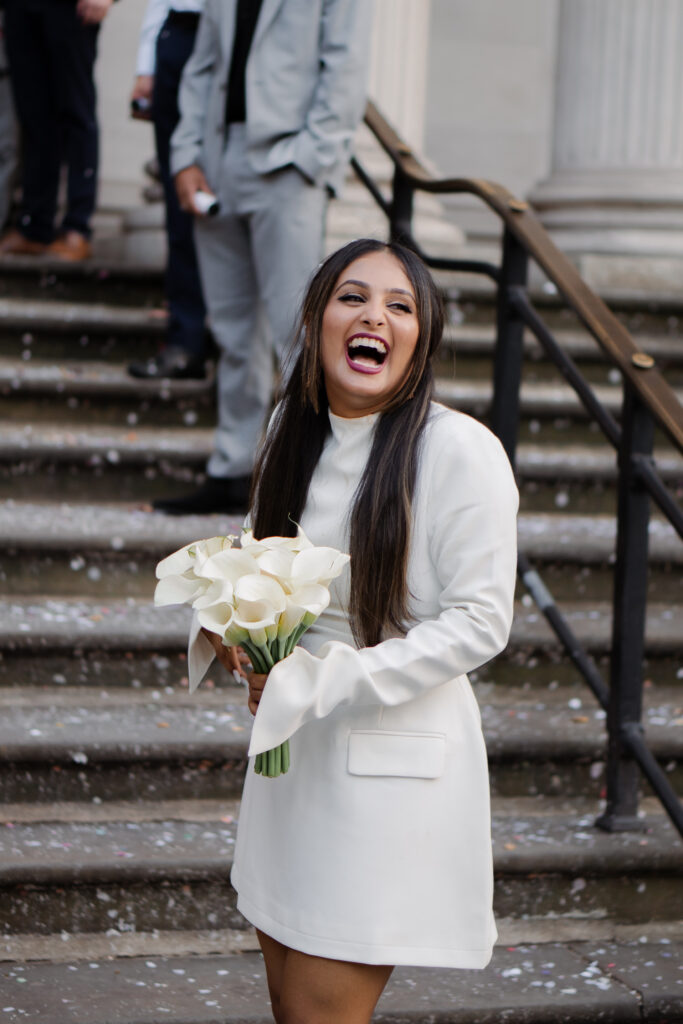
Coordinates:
51 55
183 289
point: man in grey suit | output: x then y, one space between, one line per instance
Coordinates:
269 102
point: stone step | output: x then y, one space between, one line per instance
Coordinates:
44 326
71 550
22 379
166 671
527 812
32 526
468 338
50 320
61 624
166 874
99 280
570 983
537 398
59 316
65 744
146 446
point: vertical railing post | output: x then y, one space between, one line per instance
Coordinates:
628 626
401 221
509 352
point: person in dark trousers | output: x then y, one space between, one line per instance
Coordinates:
8 134
51 49
166 40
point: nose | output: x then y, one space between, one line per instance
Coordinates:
373 313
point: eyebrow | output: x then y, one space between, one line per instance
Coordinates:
389 291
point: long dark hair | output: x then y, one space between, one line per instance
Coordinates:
382 509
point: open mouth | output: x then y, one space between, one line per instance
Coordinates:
366 353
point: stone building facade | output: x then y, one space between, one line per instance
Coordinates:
576 104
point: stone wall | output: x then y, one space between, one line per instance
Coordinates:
125 144
490 84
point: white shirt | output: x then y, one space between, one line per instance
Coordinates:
155 16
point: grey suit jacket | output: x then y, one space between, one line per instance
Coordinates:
305 87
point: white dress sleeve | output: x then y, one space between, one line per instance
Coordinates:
469 500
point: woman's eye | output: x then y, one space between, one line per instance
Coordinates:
403 307
351 297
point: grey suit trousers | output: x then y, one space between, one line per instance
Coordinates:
255 259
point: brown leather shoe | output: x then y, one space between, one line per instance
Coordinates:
71 247
13 243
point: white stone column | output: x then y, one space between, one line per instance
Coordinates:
398 65
398 85
616 181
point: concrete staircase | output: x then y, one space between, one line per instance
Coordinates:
120 792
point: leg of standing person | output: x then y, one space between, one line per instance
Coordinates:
287 222
315 990
33 87
8 136
73 49
185 350
229 286
255 256
285 216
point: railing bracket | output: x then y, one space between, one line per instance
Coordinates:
621 823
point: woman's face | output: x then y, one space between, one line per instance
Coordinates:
369 334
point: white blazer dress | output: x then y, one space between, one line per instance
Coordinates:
376 846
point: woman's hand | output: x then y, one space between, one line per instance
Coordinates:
235 659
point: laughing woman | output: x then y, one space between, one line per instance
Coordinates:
375 850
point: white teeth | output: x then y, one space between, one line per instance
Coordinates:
368 343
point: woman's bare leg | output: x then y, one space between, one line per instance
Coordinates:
274 955
315 990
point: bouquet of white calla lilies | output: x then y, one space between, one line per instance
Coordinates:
261 596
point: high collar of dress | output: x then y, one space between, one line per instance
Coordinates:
352 427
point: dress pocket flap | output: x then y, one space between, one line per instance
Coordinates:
410 755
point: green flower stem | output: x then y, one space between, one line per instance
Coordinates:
255 657
281 648
266 657
277 761
273 762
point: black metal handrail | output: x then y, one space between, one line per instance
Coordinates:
648 400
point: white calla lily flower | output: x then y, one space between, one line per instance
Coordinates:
191 555
177 564
256 587
227 565
257 547
318 565
258 618
277 563
218 592
178 589
216 617
310 600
